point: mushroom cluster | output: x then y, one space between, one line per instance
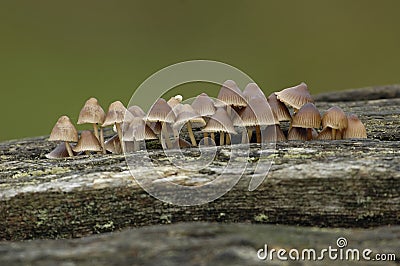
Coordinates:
232 111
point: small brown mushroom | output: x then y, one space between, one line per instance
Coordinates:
136 111
355 128
296 96
115 116
307 117
93 113
113 145
87 143
65 131
325 134
163 113
220 122
137 130
204 106
336 119
257 113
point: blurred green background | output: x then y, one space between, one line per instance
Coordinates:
56 54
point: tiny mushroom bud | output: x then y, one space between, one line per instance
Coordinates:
87 143
336 119
65 131
355 128
307 117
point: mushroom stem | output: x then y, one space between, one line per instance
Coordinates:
258 134
176 133
205 138
164 131
135 145
249 133
69 150
119 131
96 131
212 136
103 148
309 134
333 133
221 138
228 139
244 136
191 135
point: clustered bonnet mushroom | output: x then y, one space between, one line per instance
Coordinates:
233 108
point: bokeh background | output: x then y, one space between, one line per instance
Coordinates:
56 54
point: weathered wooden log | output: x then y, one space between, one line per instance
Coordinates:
346 183
210 244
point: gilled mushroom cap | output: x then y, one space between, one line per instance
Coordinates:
186 113
252 90
64 130
161 111
87 142
355 128
59 152
137 130
273 133
279 108
220 122
307 117
136 111
91 113
113 145
297 133
334 118
230 94
258 113
116 113
203 105
295 96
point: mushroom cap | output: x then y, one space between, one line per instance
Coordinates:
186 113
307 117
136 111
230 94
137 129
87 142
325 134
220 122
203 105
113 145
295 96
161 111
91 113
173 101
252 90
273 133
257 113
116 114
59 152
355 128
297 133
335 118
279 108
64 130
